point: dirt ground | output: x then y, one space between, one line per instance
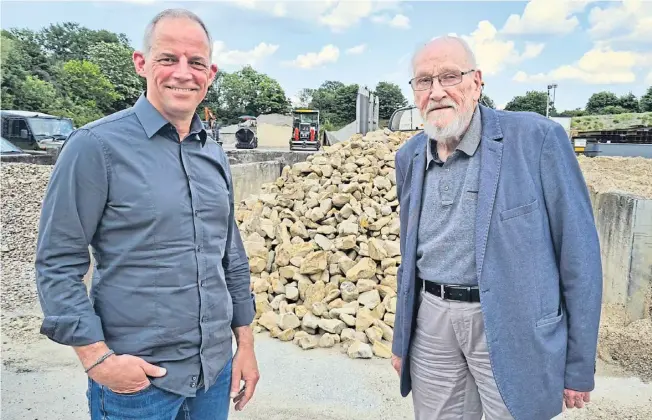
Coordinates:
617 174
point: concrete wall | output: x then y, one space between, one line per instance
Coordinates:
248 178
624 226
237 156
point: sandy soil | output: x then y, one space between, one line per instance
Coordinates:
627 344
274 136
617 174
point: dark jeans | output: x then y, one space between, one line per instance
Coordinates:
156 404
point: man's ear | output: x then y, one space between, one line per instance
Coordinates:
477 79
213 73
139 63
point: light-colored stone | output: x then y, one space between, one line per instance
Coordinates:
359 350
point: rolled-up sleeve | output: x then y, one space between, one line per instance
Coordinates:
72 207
236 270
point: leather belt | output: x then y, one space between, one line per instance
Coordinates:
453 292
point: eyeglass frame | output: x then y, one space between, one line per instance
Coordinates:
438 77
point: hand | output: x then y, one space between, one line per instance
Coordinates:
575 399
396 363
245 368
125 374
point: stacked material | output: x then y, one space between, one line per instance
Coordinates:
323 247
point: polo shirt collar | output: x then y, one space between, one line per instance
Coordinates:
469 143
152 120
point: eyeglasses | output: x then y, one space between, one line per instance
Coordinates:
450 78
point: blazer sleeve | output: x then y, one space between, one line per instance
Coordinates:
577 248
397 340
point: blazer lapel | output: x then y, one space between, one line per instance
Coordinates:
416 187
490 165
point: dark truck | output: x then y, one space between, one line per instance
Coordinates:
35 130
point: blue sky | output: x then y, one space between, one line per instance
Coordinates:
583 46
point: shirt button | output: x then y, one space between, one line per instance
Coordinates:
196 213
194 378
198 248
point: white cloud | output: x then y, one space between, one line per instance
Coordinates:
338 15
229 58
493 53
546 17
358 49
601 65
632 19
399 21
648 79
328 54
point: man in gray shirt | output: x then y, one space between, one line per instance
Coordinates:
154 198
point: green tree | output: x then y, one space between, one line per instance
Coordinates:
39 95
532 101
646 101
577 112
336 103
82 83
115 63
390 98
71 41
629 102
600 100
248 92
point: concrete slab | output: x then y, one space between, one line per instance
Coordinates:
624 224
295 384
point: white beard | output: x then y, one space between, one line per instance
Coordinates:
451 133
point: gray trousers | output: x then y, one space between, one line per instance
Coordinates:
450 367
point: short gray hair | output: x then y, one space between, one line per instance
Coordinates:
470 55
175 14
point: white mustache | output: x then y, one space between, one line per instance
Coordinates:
433 106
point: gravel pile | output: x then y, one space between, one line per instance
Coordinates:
23 187
323 243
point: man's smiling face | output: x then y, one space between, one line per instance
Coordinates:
177 68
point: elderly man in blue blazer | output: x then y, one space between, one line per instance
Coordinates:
500 283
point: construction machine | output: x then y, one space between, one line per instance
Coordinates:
211 125
305 130
247 135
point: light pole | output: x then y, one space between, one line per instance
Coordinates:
550 103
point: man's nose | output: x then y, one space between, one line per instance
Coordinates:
437 92
183 70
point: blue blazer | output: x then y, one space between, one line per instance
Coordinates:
538 261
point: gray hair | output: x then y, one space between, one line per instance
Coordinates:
173 13
470 55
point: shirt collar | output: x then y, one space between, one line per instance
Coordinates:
470 140
152 120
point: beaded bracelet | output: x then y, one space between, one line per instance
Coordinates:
100 360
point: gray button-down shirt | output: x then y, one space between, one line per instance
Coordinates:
446 237
172 276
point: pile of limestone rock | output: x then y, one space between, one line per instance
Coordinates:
323 248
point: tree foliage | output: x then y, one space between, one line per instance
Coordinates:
646 101
69 70
532 101
390 98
